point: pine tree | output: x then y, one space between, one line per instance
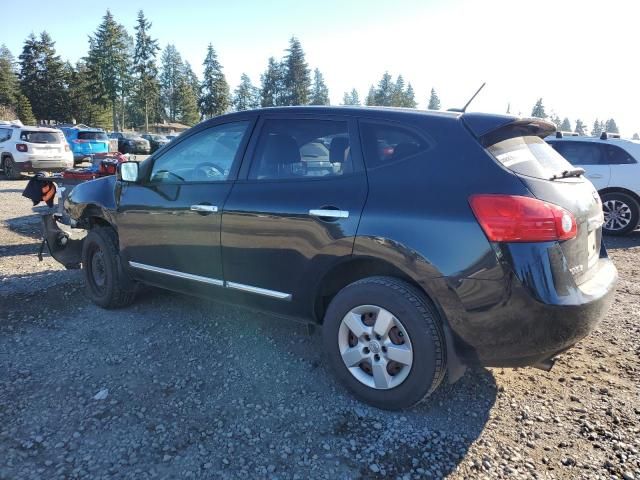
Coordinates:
434 101
246 96
635 137
214 91
108 63
319 90
187 106
297 79
272 92
23 110
9 86
398 94
384 93
144 67
610 126
597 128
371 96
409 100
351 98
555 119
538 110
581 128
565 126
172 70
82 107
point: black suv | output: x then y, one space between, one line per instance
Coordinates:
421 241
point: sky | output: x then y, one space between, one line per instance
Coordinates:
581 56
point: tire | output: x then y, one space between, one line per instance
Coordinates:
106 283
412 312
10 170
621 213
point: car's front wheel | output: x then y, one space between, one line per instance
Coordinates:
621 213
385 342
105 281
11 171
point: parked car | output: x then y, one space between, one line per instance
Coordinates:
156 141
449 246
171 137
611 163
85 142
131 143
32 149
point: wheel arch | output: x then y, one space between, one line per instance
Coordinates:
626 191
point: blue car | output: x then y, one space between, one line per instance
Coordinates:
85 142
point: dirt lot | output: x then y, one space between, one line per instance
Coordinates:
175 387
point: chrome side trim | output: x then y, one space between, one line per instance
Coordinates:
329 213
173 273
259 291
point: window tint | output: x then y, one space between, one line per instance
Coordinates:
40 137
302 148
529 155
5 134
384 144
580 153
614 155
206 156
92 136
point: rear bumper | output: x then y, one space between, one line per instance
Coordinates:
61 244
532 314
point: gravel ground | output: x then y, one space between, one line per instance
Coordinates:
180 387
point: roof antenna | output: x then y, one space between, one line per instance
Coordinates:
463 109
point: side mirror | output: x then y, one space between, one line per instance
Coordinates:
128 172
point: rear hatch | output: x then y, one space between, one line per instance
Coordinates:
519 147
46 146
91 142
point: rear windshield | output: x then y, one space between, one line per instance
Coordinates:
132 136
530 156
39 137
92 136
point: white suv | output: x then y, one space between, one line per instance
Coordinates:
32 149
611 164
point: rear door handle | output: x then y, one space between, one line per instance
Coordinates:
204 208
328 213
595 175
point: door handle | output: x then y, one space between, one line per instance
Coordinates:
328 213
204 208
595 175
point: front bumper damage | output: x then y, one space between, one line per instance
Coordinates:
63 245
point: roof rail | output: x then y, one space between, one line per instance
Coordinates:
560 134
608 135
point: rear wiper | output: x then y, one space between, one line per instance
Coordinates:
574 172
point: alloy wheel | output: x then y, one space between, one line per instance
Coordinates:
375 347
617 215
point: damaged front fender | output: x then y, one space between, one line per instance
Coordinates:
61 245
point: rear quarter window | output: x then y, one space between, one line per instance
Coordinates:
530 156
385 144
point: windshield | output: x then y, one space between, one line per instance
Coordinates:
530 156
40 137
92 136
132 136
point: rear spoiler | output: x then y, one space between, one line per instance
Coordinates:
490 129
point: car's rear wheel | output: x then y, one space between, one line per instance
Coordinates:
10 169
105 282
385 343
621 213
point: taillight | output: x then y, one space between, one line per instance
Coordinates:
511 218
21 147
66 148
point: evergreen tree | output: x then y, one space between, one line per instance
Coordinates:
409 100
108 64
383 95
635 137
434 101
246 96
597 128
371 96
565 126
214 91
319 90
191 77
398 95
610 126
581 128
172 70
144 67
351 98
272 92
538 110
297 78
82 107
187 106
556 120
23 110
8 80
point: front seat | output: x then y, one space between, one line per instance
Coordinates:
340 153
280 153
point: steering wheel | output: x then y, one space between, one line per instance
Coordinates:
209 170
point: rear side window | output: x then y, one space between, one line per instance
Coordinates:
530 156
5 134
302 148
92 136
580 153
39 137
614 155
384 144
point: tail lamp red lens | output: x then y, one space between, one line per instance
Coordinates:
21 147
512 218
